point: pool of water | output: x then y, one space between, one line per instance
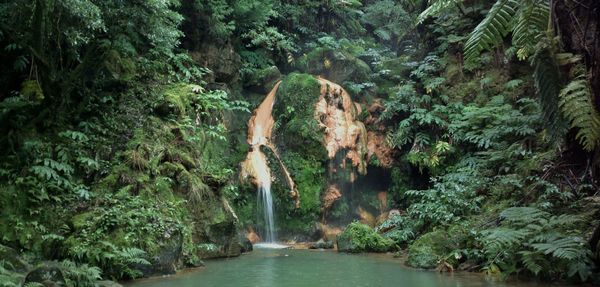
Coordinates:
300 268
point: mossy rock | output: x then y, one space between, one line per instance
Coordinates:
358 237
15 262
294 110
427 251
212 250
262 81
48 274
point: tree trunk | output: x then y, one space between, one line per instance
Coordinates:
578 26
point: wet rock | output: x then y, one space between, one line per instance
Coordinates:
216 231
166 259
245 244
252 236
322 244
15 263
331 195
48 275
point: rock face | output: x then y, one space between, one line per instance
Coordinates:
336 113
222 60
216 231
166 259
262 81
331 195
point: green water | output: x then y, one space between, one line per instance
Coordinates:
296 268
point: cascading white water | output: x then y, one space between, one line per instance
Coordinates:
265 207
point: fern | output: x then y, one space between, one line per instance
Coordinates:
575 102
568 247
547 81
436 8
531 27
542 243
491 31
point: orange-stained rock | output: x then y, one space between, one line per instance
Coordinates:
260 128
382 197
381 218
366 217
329 232
252 236
336 112
377 146
332 194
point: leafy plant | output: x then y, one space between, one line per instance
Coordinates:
538 242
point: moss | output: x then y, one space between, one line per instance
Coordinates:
80 220
178 98
262 80
32 91
358 237
428 250
294 111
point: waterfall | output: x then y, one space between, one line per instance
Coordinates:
265 208
256 167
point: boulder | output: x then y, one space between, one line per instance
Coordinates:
358 237
427 251
322 244
48 275
166 259
15 263
216 230
245 244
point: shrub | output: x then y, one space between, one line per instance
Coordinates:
358 237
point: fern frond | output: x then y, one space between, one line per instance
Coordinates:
522 214
533 261
575 102
436 8
502 238
569 248
491 31
547 82
531 27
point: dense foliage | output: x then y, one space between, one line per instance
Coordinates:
122 124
